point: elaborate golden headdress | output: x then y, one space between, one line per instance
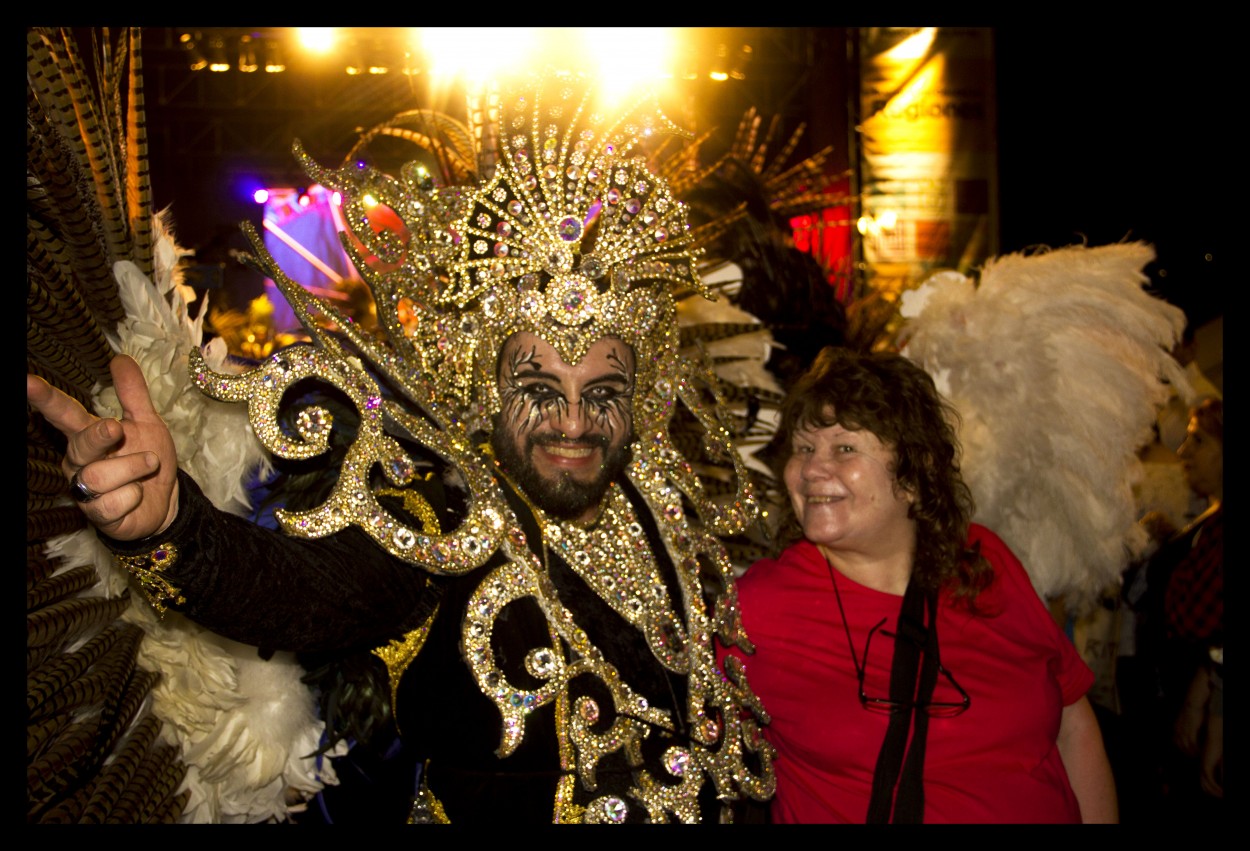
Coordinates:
565 233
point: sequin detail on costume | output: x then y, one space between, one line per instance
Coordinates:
613 559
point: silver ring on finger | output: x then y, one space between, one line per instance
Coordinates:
79 491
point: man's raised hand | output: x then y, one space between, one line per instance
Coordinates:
125 471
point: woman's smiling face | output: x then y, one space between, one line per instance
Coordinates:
844 492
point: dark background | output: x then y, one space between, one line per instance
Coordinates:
1108 133
1105 133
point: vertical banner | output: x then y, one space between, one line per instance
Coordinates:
928 164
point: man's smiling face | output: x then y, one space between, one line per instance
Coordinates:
563 431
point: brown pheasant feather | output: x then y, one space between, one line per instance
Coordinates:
119 773
88 203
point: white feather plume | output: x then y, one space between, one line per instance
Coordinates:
1058 363
244 727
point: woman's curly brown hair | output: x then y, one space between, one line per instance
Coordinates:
893 398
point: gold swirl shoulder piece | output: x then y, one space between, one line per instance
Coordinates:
353 500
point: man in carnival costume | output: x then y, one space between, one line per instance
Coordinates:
512 532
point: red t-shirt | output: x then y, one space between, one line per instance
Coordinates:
996 762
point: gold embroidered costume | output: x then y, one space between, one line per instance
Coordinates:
554 672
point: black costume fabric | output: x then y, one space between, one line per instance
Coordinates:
344 595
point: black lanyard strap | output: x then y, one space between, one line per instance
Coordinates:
907 807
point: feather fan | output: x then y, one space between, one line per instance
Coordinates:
244 727
205 731
1057 363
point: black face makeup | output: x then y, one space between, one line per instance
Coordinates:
563 431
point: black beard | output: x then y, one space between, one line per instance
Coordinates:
564 498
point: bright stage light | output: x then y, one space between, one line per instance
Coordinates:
475 53
622 57
316 39
650 52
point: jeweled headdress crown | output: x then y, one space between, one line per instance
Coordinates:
571 237
566 233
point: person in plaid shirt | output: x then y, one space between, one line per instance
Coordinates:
1185 632
1194 608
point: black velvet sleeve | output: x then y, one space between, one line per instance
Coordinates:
264 588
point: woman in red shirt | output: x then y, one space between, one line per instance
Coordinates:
910 670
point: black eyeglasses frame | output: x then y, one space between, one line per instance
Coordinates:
886 706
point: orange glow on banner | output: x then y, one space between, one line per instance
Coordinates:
928 167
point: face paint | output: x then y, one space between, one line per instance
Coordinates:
563 432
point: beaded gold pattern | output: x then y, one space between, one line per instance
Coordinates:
427 809
149 568
398 654
354 498
615 561
569 236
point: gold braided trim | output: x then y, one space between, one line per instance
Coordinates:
568 812
418 506
426 808
399 654
147 569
